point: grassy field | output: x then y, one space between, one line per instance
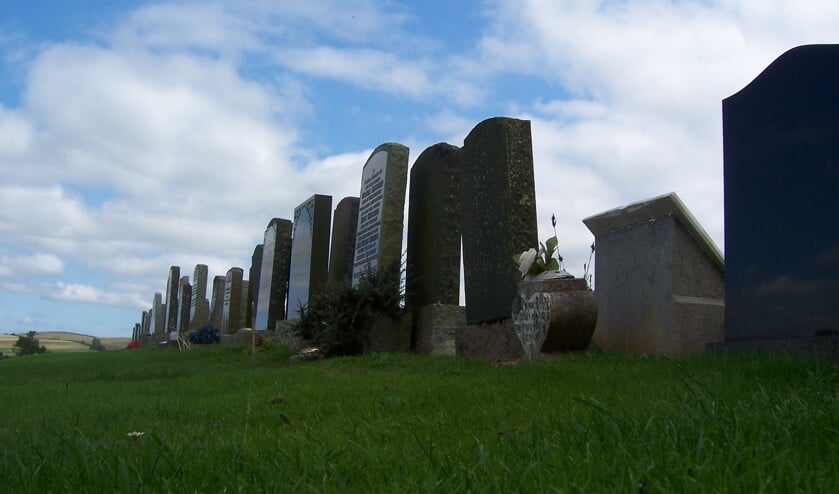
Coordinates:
59 341
218 419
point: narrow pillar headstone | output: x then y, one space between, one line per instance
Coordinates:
199 311
232 316
135 333
309 251
144 323
381 211
172 299
660 280
781 172
185 302
497 214
217 303
344 229
253 286
158 314
273 276
245 293
433 260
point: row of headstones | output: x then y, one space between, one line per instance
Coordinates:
661 285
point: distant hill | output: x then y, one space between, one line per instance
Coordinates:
61 341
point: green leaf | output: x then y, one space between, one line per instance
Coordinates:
552 244
553 264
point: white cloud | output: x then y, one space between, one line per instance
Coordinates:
87 294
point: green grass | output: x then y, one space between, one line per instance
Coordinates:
219 419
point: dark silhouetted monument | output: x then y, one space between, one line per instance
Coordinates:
273 275
309 251
344 229
781 152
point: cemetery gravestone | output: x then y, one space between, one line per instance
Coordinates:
497 214
158 314
309 251
232 316
781 171
217 305
381 214
273 276
172 299
185 302
344 229
199 312
253 286
432 272
660 280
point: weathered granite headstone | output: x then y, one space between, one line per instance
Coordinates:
344 229
158 314
217 303
253 286
432 271
199 312
245 292
185 301
381 210
660 280
433 259
497 214
309 251
145 323
273 276
232 318
135 333
172 299
781 171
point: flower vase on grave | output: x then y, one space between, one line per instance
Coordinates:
554 312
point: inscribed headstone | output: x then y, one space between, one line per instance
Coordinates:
273 276
309 251
381 214
497 214
158 314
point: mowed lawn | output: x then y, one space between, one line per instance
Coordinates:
221 419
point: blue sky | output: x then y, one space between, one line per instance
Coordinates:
135 136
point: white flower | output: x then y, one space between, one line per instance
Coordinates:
526 260
135 434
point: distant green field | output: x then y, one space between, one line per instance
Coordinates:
59 341
219 419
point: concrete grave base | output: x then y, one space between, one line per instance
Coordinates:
389 334
435 326
494 341
821 347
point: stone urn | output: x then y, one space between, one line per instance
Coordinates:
554 312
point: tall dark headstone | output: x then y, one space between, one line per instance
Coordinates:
497 214
145 323
253 286
199 312
309 251
217 302
781 152
433 263
344 229
158 318
185 302
232 316
273 276
172 299
381 212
